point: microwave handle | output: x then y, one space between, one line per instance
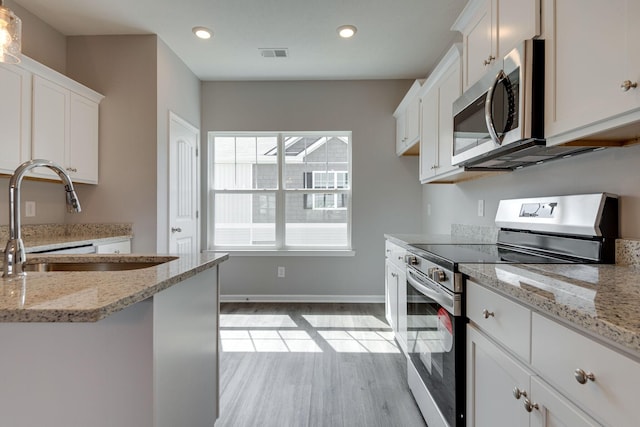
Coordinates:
488 106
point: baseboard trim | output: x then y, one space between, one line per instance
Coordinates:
304 298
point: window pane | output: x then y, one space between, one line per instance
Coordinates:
245 162
307 224
245 219
318 155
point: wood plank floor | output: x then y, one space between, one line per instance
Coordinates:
311 365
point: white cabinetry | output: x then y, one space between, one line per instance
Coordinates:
439 92
15 108
65 130
46 115
590 52
408 121
490 29
500 367
123 247
396 292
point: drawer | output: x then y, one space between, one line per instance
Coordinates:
395 254
504 320
610 397
123 247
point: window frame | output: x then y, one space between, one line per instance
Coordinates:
281 193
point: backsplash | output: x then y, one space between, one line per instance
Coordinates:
482 233
61 230
628 252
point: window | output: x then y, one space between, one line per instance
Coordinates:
280 191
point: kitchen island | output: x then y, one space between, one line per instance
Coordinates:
103 348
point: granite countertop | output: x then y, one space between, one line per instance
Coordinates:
88 296
601 300
405 240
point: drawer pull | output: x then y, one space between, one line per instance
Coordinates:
528 406
627 84
582 377
486 313
517 393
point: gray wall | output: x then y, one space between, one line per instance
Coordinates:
613 170
178 92
386 191
123 68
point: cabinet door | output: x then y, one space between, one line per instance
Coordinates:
588 52
50 125
82 159
492 376
480 44
450 90
413 121
518 20
401 335
554 410
391 297
15 117
401 133
429 133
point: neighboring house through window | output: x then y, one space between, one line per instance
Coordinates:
280 191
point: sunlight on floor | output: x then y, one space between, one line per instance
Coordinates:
256 333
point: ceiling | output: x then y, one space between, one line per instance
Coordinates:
395 38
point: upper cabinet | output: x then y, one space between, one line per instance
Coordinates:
53 118
592 69
490 29
439 92
15 107
408 121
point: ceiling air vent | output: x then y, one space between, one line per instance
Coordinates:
274 53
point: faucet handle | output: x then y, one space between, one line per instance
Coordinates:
73 204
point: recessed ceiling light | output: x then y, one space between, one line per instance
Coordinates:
347 31
202 32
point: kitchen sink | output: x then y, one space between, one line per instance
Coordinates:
91 266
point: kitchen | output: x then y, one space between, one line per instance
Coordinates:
142 79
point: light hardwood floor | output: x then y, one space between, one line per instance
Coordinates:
297 365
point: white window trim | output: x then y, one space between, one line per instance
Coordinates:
280 248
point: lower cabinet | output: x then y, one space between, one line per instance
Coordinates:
396 292
503 392
123 247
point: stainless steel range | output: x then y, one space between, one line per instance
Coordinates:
543 230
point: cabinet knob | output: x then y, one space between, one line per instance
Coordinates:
176 230
72 169
517 393
486 313
529 406
489 60
628 84
394 275
582 377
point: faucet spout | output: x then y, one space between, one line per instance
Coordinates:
14 254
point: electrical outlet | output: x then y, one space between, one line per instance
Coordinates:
29 209
280 271
480 207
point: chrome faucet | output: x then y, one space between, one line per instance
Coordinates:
14 254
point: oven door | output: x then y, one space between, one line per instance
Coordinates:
435 345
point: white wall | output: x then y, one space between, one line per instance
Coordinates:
613 170
179 92
386 190
123 68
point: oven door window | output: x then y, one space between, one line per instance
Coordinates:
431 341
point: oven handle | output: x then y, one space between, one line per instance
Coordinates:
435 294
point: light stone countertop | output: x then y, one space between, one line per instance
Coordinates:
601 300
88 296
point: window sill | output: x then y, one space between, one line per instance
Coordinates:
317 252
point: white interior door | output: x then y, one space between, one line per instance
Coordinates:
184 200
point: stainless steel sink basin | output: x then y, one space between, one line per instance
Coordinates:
91 266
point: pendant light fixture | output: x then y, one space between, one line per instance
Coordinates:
10 35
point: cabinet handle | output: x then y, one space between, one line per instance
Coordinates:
486 313
72 169
401 258
628 84
388 251
489 60
582 377
517 393
394 275
176 230
529 406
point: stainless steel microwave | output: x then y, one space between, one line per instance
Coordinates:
502 114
